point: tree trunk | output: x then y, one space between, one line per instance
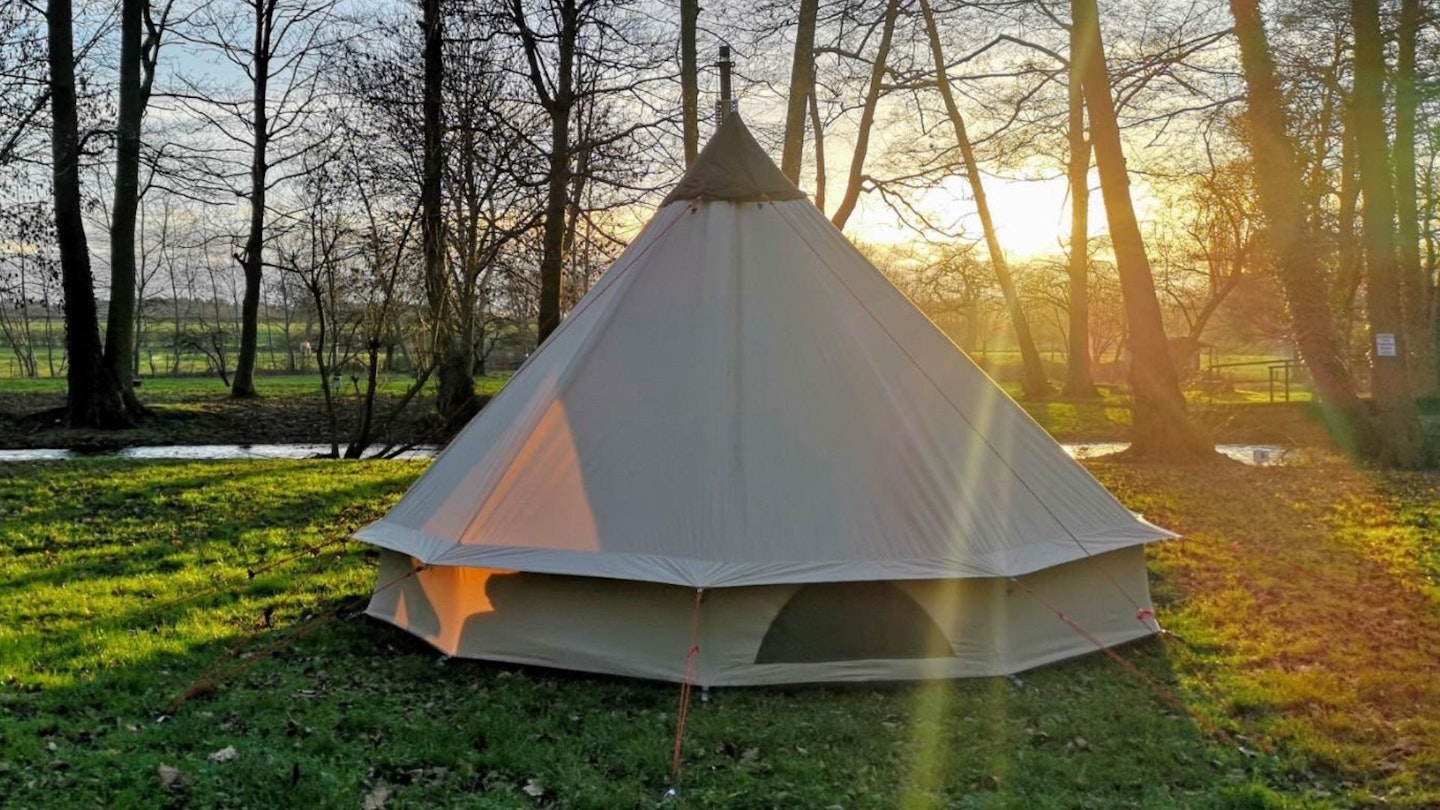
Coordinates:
552 262
802 73
1278 178
1032 380
689 78
1390 387
454 400
92 395
1078 381
121 322
1160 426
252 260
325 367
1432 261
362 438
1350 269
867 118
817 129
1415 284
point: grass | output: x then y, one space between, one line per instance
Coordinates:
198 410
1310 630
1103 419
188 389
157 346
1309 597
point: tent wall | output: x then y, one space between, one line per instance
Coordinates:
743 399
638 629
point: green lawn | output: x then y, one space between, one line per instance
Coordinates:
325 708
183 389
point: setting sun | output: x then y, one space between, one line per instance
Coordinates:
1031 216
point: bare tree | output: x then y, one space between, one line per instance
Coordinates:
279 46
491 200
26 277
1395 405
25 86
140 31
93 394
817 129
557 97
1160 425
28 268
457 388
1416 286
856 178
689 79
1033 380
1214 236
348 255
802 74
1280 186
1078 379
575 54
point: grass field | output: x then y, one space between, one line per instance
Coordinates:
157 348
179 389
1306 600
198 410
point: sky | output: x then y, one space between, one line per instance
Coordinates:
1032 217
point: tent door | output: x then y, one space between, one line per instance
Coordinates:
851 621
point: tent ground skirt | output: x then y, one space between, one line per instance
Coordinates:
770 634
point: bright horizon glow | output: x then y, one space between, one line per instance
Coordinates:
1032 217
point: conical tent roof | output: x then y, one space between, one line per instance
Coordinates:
733 167
744 399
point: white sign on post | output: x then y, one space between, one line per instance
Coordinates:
1385 344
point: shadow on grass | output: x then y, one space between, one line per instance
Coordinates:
330 717
115 527
356 706
327 719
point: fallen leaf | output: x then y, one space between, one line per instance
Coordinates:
170 777
225 754
375 799
533 787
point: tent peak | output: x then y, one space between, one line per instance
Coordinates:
733 167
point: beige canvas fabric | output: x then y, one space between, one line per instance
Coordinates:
644 630
743 401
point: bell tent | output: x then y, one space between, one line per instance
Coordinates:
746 458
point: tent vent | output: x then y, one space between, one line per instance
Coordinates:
851 621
